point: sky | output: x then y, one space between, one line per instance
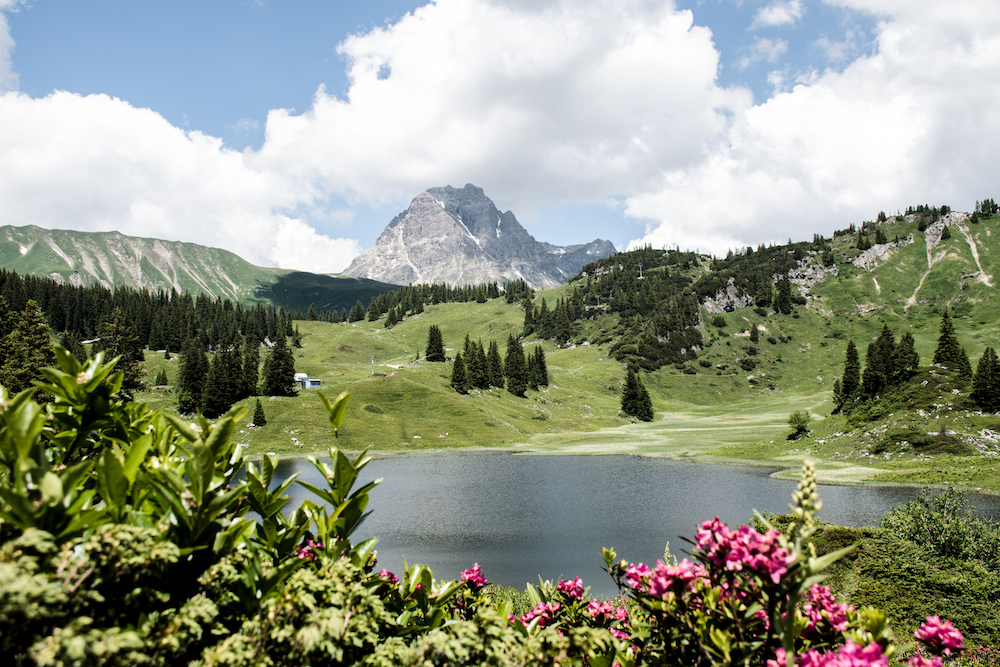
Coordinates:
292 132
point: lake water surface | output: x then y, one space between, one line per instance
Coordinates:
524 516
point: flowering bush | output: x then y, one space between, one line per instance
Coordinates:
127 538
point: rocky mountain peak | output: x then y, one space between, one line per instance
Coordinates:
458 236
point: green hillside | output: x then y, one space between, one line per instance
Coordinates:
728 400
112 259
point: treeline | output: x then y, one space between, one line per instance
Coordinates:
160 320
476 368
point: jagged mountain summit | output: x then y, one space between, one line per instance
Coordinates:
458 236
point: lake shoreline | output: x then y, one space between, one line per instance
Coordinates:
824 476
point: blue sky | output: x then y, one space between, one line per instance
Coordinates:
308 125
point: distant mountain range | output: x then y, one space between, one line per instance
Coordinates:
114 260
458 236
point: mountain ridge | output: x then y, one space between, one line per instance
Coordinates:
458 236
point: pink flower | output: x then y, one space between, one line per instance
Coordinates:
308 552
474 575
636 575
939 636
571 589
543 612
665 579
848 655
599 608
386 574
745 548
821 605
920 661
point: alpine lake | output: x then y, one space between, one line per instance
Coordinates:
524 517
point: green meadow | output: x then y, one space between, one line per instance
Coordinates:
710 409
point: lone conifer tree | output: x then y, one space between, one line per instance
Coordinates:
784 302
459 379
258 415
635 399
435 344
515 367
25 349
949 351
986 383
161 378
906 361
118 339
543 369
879 363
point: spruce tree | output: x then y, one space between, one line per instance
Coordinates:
494 366
635 399
357 313
879 371
852 372
215 395
784 302
515 368
279 370
435 344
754 333
161 378
118 339
532 371
70 342
191 378
949 351
543 369
258 415
906 361
459 380
27 348
986 383
251 368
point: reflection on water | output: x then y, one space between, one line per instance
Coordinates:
524 516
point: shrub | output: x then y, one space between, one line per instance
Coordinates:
719 321
799 421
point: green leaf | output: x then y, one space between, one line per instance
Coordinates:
337 409
111 479
136 455
52 489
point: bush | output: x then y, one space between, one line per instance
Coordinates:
719 321
799 421
748 364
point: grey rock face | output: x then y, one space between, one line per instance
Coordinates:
457 236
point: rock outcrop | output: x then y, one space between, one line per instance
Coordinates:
459 237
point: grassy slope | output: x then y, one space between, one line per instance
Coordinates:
719 414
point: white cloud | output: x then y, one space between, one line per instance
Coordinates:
97 163
778 13
8 77
766 49
539 104
913 123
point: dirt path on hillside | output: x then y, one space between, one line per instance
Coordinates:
932 239
983 277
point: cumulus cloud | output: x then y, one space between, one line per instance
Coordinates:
538 103
778 13
96 163
912 123
541 104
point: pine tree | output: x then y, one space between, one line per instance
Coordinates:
357 313
754 334
279 370
161 378
949 351
215 395
251 368
435 344
986 383
635 399
784 302
118 339
494 366
543 369
459 381
906 361
70 342
515 368
483 378
879 363
852 372
191 378
27 347
258 415
945 233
